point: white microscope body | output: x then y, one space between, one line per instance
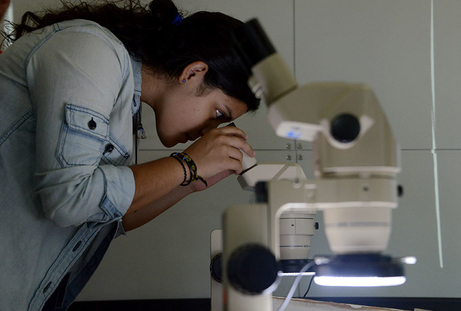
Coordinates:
356 163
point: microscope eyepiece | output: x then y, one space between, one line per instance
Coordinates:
253 45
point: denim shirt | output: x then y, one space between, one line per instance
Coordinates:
68 93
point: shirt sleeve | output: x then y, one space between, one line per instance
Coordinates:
74 81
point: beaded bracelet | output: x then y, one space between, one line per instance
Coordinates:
184 182
192 167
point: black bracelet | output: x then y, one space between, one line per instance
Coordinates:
192 166
184 182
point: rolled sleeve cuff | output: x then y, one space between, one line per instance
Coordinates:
119 190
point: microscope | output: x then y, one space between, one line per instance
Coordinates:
356 160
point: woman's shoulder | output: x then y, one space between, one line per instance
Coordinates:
89 27
85 49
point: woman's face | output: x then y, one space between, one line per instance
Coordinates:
185 116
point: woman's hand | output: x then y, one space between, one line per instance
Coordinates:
216 154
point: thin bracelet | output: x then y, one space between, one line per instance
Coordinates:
184 183
192 167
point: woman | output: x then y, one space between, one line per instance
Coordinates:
71 85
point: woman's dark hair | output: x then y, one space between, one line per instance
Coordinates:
150 35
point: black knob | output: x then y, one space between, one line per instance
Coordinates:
345 128
252 269
316 226
400 191
216 268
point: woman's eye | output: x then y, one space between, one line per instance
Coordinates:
219 114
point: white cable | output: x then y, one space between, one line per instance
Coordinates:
295 285
434 145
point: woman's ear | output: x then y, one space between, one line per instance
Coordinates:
194 71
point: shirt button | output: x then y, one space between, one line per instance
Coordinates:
109 148
91 124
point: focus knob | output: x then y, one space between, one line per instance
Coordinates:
216 268
252 269
345 128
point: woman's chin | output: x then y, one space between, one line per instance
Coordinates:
168 142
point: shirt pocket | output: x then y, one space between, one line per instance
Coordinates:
84 134
114 153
